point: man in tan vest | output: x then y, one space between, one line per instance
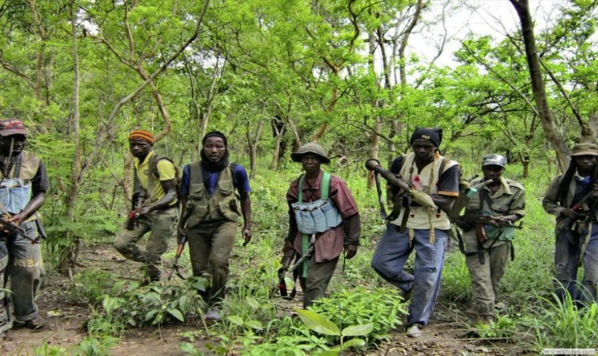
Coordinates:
23 190
420 228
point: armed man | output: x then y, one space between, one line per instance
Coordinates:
155 207
572 198
488 230
324 222
23 191
420 226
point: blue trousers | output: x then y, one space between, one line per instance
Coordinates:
389 259
566 259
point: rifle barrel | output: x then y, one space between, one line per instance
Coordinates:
374 165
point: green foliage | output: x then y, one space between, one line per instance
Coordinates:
90 286
101 346
321 325
564 325
47 350
156 304
381 307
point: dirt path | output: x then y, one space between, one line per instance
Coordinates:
446 334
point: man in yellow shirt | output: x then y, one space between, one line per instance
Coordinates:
155 206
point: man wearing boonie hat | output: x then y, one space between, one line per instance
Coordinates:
24 184
503 200
423 228
340 233
155 207
571 197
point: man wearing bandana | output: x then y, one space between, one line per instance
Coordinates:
419 228
210 212
572 198
155 207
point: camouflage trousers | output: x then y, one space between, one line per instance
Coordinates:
21 263
161 224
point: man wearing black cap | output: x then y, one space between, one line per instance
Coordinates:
329 230
418 227
572 198
488 245
210 212
24 184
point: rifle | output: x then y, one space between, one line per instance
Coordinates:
286 261
304 257
133 216
480 221
421 198
175 264
13 229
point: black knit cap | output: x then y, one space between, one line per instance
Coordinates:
433 135
215 134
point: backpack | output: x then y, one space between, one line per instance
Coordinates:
139 192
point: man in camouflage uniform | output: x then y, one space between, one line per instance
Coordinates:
501 202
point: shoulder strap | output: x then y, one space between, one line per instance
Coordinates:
300 188
443 164
325 185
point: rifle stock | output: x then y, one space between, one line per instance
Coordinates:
175 264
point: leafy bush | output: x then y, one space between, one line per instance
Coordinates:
132 305
359 306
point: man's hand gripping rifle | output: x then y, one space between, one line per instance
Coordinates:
13 229
418 197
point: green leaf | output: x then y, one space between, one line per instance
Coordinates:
254 324
176 313
329 353
151 314
254 304
318 323
358 330
353 343
235 319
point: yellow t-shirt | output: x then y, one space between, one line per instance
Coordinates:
166 172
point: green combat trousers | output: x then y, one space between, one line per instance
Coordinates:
210 246
162 224
486 277
318 278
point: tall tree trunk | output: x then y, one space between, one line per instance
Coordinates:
68 261
538 86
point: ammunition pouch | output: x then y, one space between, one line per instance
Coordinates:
316 217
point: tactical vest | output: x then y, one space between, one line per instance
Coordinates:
420 217
202 207
15 190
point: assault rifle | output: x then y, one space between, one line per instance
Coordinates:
410 193
175 264
479 221
286 261
13 229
